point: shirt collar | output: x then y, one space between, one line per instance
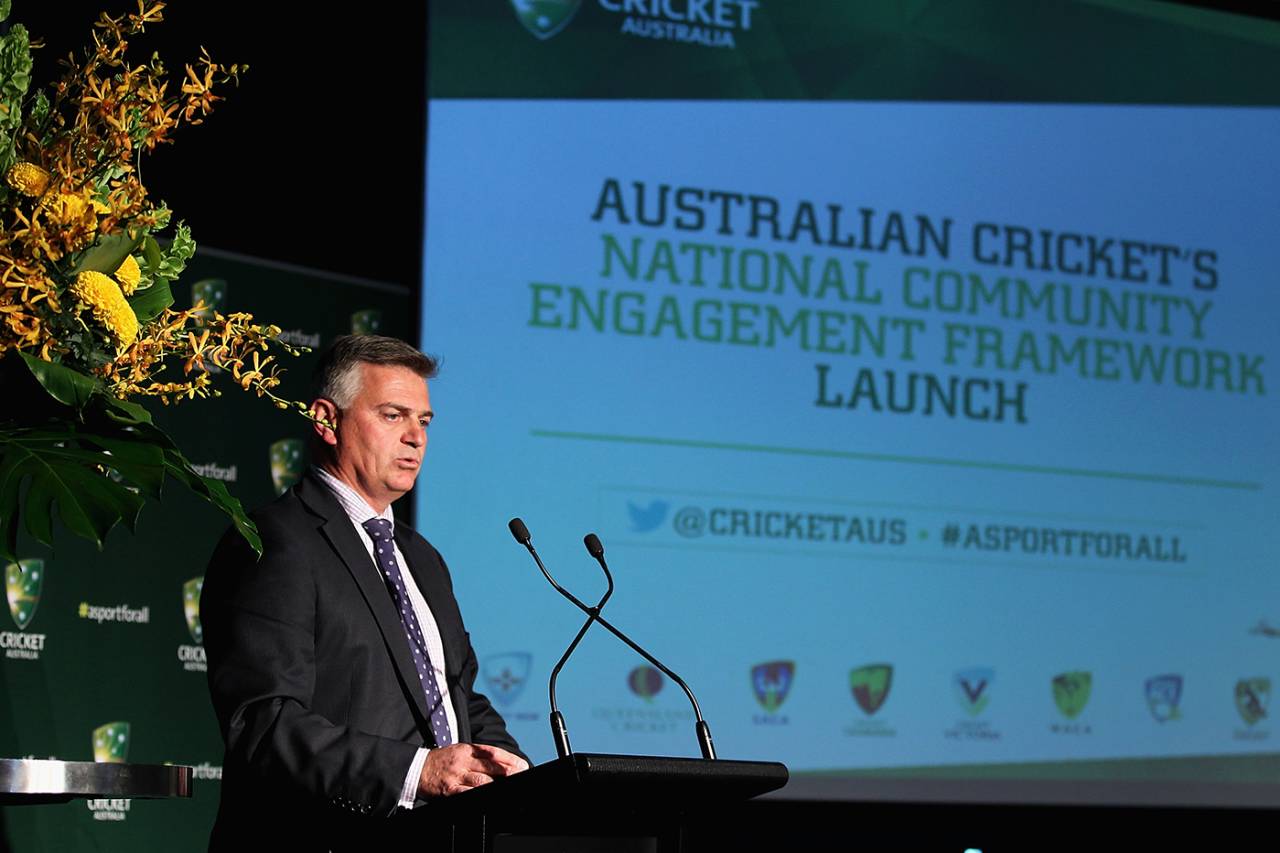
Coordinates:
356 508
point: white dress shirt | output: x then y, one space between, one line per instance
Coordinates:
359 512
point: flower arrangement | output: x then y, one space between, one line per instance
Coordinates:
86 318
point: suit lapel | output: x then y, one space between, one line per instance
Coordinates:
344 540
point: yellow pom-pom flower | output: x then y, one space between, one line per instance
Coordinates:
128 274
65 207
28 179
108 305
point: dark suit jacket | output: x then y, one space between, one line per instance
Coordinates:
312 678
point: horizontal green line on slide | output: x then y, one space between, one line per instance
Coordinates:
1137 476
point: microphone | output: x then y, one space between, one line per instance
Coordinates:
560 734
596 550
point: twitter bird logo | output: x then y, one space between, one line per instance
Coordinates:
646 518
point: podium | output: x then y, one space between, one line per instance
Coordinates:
587 802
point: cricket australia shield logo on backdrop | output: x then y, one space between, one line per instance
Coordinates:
286 464
1164 692
870 686
973 688
211 295
1252 697
506 675
366 322
111 742
191 607
545 18
22 583
772 682
1071 692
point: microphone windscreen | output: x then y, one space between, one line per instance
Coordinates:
594 548
519 531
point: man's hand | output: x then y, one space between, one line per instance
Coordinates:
451 769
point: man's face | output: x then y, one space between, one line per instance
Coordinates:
382 435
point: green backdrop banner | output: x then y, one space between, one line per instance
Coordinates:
100 653
1098 51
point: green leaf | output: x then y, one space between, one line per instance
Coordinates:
67 386
148 304
106 255
15 75
215 492
124 412
151 253
40 109
57 470
134 459
174 259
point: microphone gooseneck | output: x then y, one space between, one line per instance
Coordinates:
559 732
703 731
596 550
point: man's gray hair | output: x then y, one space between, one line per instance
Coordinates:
338 374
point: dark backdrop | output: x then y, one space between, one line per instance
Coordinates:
316 159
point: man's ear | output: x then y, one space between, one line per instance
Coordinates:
326 420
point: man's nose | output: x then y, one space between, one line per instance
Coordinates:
415 435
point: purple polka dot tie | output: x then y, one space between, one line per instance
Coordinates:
384 552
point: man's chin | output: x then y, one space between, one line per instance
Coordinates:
401 482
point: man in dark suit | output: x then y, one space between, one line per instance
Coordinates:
341 674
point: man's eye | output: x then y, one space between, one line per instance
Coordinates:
391 416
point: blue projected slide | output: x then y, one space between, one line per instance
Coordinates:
932 443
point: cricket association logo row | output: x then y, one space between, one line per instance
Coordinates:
973 689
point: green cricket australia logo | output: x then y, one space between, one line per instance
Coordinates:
22 583
545 18
210 295
193 657
366 322
286 463
191 607
111 742
1071 692
870 686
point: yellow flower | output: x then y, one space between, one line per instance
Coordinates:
65 207
108 305
28 179
128 274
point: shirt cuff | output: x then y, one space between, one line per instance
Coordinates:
410 790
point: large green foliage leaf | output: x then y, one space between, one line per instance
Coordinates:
92 463
63 467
